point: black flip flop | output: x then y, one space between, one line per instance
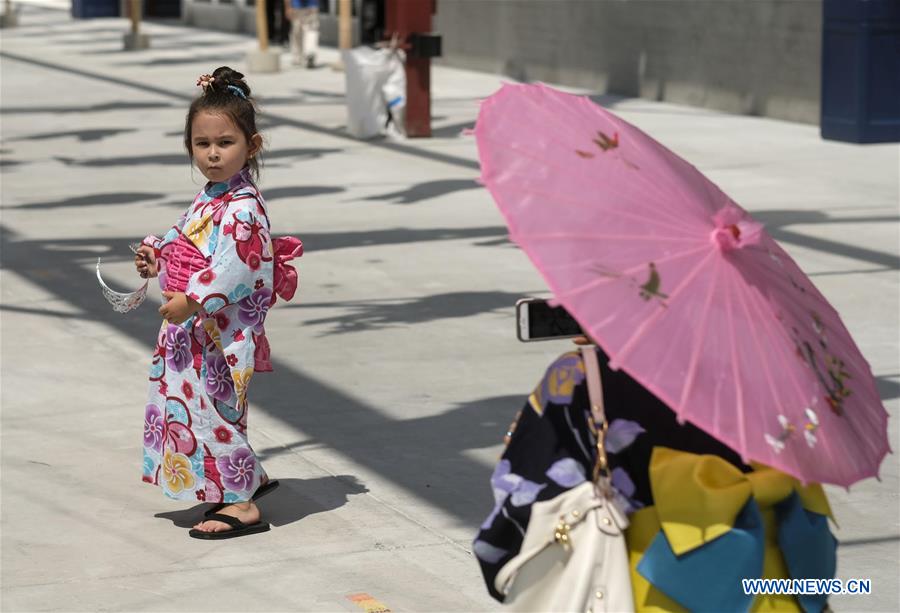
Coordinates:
238 528
266 488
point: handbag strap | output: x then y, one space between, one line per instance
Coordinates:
601 475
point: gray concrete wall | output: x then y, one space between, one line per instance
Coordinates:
228 17
759 57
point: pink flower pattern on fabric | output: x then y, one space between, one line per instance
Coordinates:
206 276
223 434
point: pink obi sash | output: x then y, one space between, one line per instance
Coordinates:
181 260
285 276
285 281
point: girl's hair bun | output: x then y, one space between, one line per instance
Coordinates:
225 76
225 91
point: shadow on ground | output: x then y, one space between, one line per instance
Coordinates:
115 198
775 221
171 159
84 136
292 501
93 108
887 388
426 191
317 241
300 191
377 314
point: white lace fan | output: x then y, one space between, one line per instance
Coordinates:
123 302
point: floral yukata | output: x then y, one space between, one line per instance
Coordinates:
220 254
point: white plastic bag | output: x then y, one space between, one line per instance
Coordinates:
376 82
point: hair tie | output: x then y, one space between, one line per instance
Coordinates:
237 91
205 81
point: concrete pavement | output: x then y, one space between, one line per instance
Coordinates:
397 368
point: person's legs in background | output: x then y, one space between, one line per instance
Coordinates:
284 29
309 34
276 20
296 37
271 22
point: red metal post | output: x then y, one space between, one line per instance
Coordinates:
405 17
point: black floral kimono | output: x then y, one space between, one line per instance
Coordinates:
550 449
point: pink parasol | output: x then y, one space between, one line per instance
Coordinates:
680 286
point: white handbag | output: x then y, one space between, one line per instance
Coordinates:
573 557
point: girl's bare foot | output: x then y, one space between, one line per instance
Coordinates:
246 512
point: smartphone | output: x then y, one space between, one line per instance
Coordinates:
538 321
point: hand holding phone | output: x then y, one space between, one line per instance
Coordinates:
538 321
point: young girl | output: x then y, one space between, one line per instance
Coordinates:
219 271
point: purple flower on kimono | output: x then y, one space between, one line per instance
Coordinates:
487 552
503 481
566 472
621 434
219 384
624 489
254 307
526 493
154 427
178 348
237 469
507 484
622 482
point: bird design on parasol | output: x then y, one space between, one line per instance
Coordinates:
606 144
650 289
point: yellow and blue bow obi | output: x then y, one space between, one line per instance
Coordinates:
712 525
